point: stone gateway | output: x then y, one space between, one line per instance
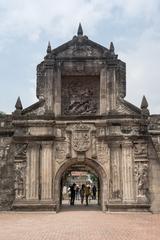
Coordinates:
81 119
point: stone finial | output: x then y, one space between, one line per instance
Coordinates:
18 104
80 30
144 103
49 48
144 106
111 48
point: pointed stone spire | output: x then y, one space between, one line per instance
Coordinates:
18 104
49 48
144 106
144 103
80 30
111 48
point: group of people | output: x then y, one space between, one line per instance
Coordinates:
82 193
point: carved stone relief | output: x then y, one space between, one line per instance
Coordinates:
80 95
20 150
141 177
84 51
81 139
4 152
126 129
20 178
60 152
102 152
140 150
80 50
101 132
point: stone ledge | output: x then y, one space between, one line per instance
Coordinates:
34 206
127 207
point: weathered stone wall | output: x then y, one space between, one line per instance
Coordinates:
6 164
154 156
81 118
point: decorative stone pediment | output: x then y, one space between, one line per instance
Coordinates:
80 51
80 46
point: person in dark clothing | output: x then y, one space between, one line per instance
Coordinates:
82 193
94 190
73 191
77 192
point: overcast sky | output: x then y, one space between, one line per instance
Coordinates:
26 26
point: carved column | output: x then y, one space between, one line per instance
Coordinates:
32 177
127 172
115 176
46 171
49 88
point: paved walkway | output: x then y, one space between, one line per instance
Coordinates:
79 225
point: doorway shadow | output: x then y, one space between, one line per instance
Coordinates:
92 206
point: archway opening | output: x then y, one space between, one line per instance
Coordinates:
80 186
88 172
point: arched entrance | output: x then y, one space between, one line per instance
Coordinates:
90 165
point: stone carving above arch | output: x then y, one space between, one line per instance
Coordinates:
81 139
80 95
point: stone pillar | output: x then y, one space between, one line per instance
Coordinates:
93 146
103 91
111 86
46 171
68 141
32 172
115 169
49 89
127 172
57 98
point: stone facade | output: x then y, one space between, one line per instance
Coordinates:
81 118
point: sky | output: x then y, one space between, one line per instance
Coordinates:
26 26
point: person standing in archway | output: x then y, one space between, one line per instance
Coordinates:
94 190
87 193
73 192
82 193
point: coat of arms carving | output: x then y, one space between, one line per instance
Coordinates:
81 138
